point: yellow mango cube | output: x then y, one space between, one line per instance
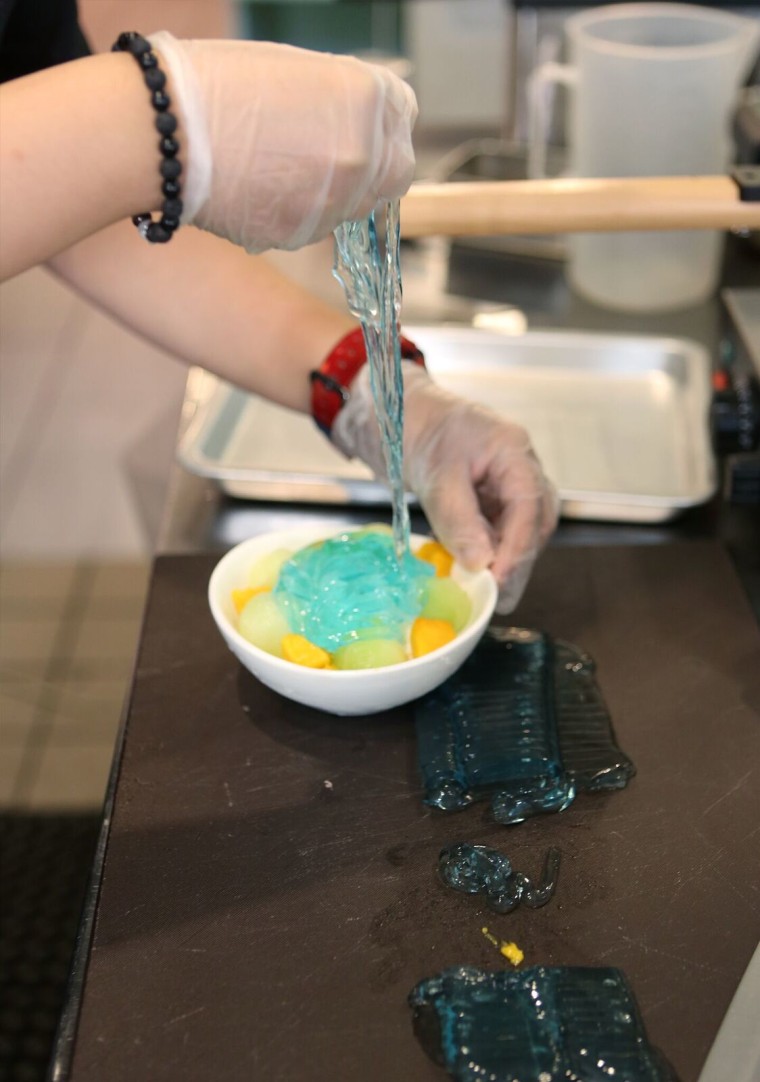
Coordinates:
240 598
428 635
433 552
300 651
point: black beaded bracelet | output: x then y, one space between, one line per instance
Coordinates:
162 230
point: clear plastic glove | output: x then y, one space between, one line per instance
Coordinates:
475 474
284 144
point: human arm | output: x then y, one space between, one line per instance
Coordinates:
78 151
209 303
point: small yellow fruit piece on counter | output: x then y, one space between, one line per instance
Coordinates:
508 949
433 552
512 952
428 635
240 598
300 651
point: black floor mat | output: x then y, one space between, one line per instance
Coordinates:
46 862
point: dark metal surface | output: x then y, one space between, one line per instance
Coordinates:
253 923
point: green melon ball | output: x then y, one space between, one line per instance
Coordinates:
445 599
265 571
263 623
381 630
374 527
369 654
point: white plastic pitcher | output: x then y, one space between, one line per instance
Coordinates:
651 88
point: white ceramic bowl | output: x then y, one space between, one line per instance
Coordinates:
356 691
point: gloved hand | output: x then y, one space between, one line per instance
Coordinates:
475 474
284 144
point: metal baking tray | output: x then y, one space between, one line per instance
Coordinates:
620 423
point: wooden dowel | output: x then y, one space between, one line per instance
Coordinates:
485 208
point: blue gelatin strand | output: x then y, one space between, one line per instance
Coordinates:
474 869
352 586
535 897
564 1024
478 869
371 279
367 586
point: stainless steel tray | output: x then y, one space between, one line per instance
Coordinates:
620 423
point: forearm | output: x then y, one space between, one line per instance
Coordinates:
209 303
78 151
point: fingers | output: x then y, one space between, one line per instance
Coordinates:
481 485
550 511
529 511
400 113
519 525
454 515
377 160
511 545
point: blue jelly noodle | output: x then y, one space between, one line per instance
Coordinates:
352 587
367 265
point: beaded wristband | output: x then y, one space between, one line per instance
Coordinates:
162 230
331 381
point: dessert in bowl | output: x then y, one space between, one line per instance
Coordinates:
382 660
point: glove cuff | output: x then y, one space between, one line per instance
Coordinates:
331 382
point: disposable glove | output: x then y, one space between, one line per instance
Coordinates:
283 144
476 476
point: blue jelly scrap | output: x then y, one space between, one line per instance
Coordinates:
479 869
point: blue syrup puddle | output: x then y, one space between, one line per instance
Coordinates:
478 869
522 724
367 266
562 1024
352 587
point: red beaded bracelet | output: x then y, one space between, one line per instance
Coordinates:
330 382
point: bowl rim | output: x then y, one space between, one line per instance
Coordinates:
344 675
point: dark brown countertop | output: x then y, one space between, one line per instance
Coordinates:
250 924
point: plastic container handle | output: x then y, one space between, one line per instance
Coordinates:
540 110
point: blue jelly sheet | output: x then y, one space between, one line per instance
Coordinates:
521 724
563 1024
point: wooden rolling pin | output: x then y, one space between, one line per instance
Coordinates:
491 208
